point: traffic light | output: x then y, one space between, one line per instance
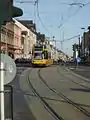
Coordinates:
73 47
8 11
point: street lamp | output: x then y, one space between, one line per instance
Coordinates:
54 41
55 46
84 41
79 51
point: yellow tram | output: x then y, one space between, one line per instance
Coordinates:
41 56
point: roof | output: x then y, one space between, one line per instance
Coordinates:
29 24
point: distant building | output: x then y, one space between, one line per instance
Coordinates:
28 38
17 41
29 24
87 44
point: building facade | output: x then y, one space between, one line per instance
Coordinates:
86 45
28 39
10 39
17 41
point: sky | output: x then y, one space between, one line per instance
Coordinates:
56 13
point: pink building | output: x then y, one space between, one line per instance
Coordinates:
11 39
17 41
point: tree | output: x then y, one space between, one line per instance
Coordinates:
75 47
40 37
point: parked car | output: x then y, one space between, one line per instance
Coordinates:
23 60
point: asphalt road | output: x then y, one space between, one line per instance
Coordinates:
54 93
21 110
82 70
50 93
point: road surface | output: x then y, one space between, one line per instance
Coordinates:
21 109
82 70
53 93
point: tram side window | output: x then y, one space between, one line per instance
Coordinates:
49 55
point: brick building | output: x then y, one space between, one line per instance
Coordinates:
86 45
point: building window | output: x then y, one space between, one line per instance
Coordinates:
3 30
22 40
10 33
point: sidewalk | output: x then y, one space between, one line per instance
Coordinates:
81 70
21 111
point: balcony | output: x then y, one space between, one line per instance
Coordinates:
7 36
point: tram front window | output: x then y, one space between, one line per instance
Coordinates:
38 55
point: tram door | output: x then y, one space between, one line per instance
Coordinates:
45 53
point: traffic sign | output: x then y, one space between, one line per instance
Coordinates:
78 60
9 67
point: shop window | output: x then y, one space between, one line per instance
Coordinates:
45 54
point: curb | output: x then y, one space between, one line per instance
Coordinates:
77 75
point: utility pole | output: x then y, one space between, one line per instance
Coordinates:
79 51
55 47
84 41
61 44
62 41
84 45
6 41
89 44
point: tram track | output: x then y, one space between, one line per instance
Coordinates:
61 95
80 77
84 86
47 106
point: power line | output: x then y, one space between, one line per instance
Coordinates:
27 2
23 2
35 2
87 3
40 18
66 21
69 17
69 9
75 3
81 5
70 38
34 13
64 40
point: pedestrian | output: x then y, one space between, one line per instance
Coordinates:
75 61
